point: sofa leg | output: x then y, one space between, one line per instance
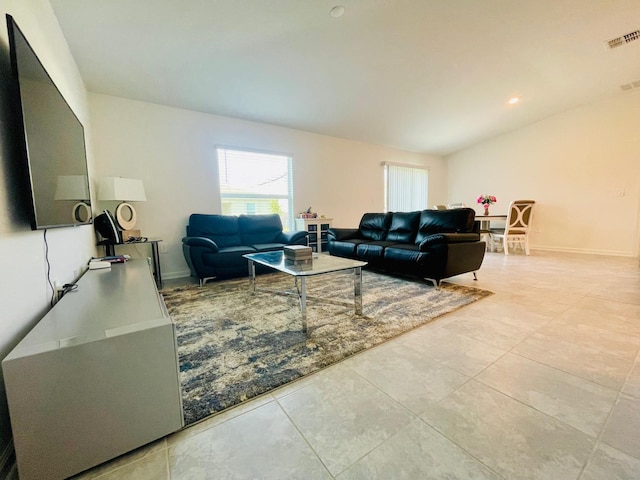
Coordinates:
475 277
436 283
205 280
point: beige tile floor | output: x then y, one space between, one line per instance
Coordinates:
539 381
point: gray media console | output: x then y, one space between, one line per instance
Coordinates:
96 377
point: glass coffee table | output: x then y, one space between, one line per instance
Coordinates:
320 264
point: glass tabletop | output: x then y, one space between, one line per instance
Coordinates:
319 264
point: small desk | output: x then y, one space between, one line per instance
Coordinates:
110 249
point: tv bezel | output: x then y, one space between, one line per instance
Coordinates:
20 129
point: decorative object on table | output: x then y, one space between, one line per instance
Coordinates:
76 188
106 226
486 201
297 252
307 214
123 190
233 346
298 257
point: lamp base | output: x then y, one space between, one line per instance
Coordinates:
127 235
126 216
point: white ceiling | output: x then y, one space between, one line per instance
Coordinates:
430 76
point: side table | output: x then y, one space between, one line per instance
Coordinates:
110 249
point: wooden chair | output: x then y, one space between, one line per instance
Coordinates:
456 205
517 226
439 207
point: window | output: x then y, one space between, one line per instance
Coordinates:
256 183
406 188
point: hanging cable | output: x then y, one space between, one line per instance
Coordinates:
46 258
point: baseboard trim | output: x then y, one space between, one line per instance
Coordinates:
586 251
174 275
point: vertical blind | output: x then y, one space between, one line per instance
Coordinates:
256 183
406 188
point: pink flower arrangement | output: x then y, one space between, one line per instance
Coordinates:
487 200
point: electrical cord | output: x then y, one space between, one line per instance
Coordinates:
46 259
66 288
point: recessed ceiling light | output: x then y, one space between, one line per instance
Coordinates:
337 11
513 100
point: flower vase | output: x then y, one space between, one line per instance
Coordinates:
486 209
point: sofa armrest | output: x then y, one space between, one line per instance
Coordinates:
297 237
201 242
461 237
432 240
343 233
446 238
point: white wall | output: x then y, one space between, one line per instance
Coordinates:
24 291
173 152
582 167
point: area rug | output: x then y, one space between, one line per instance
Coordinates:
233 346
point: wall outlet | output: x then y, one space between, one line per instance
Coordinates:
163 247
57 292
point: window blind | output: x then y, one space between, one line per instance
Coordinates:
406 188
256 183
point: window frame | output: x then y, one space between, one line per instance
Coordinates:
288 221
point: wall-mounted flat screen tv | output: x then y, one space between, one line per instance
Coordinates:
51 141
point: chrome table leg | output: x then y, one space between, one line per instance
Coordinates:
252 277
303 303
357 289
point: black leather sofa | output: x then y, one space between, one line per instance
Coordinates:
432 244
215 244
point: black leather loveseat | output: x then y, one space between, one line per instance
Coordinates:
215 244
433 244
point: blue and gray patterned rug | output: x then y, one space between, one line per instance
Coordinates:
233 346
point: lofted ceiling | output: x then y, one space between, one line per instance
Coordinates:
430 76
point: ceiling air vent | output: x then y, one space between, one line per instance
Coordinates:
624 39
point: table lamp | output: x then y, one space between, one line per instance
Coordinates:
123 190
75 187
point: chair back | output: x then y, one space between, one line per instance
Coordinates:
456 205
439 207
519 217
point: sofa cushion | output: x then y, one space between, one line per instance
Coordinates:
372 251
404 226
255 229
228 257
404 253
222 229
374 226
458 220
345 248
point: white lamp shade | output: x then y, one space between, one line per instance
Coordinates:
121 189
72 187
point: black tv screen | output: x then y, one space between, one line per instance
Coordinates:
51 140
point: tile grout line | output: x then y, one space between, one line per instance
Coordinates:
605 424
306 441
